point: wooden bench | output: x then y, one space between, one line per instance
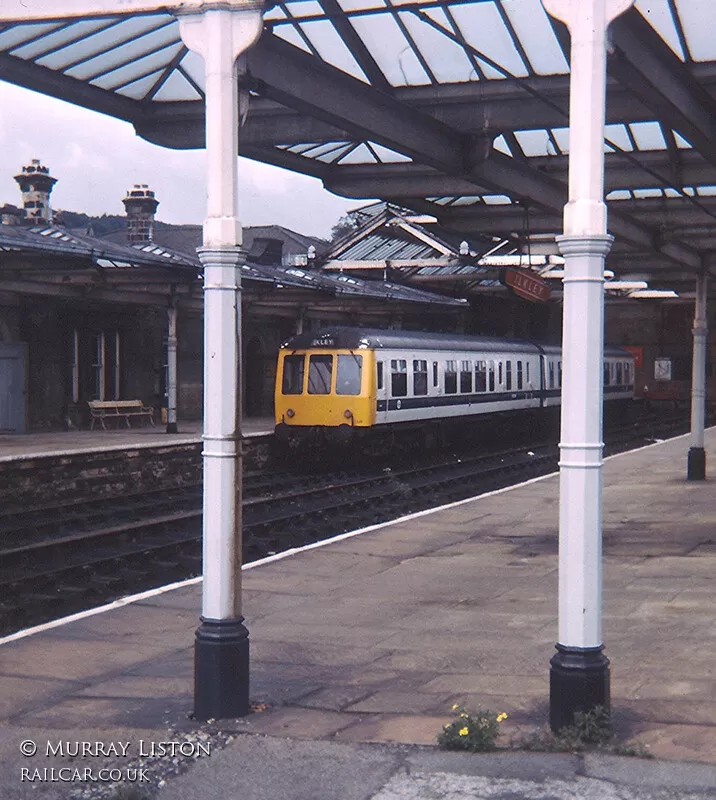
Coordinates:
103 410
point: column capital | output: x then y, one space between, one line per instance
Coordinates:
596 244
210 27
224 256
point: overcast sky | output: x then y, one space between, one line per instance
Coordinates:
96 159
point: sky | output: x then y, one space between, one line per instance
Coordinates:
97 159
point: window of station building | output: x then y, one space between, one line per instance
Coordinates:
465 377
95 365
451 377
350 371
320 374
551 374
607 374
420 377
379 374
520 376
508 375
293 369
491 376
436 379
480 376
398 377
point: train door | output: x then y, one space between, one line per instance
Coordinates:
381 385
13 395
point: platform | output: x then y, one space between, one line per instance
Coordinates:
374 636
14 446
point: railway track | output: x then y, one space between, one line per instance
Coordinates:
58 560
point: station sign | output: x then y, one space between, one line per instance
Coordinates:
526 285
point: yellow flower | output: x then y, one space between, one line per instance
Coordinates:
463 731
501 717
464 715
455 707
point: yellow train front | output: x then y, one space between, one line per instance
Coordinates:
325 389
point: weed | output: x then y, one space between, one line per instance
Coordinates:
476 733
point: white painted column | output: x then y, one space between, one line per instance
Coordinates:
696 467
172 367
221 686
579 672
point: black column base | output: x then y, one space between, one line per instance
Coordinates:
696 464
578 681
221 669
172 427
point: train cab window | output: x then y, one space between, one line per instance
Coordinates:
379 373
619 374
320 373
350 370
480 376
465 377
508 374
292 382
551 374
435 373
398 377
607 374
491 376
520 376
420 377
559 374
451 377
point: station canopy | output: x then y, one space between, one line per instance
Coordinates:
457 110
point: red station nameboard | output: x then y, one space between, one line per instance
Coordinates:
530 287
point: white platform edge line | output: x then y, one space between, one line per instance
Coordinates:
135 598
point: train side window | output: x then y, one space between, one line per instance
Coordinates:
420 377
480 376
508 374
379 375
527 372
520 376
350 370
627 373
619 373
435 373
450 377
398 377
499 373
491 375
607 374
293 367
465 377
320 373
559 374
551 374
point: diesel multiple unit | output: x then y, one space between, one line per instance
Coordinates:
341 383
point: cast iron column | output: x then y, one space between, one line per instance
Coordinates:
172 368
221 671
579 673
696 466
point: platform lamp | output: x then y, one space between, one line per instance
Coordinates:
579 671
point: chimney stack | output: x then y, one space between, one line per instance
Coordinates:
36 185
140 207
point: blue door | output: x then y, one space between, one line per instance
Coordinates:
13 397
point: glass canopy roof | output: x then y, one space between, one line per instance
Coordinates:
458 109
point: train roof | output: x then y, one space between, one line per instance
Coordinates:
347 338
356 338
